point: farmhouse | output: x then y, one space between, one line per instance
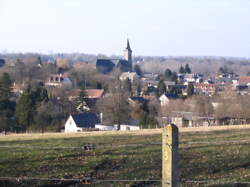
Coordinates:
81 122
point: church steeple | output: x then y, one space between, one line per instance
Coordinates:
128 54
128 46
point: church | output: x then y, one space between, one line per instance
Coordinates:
106 66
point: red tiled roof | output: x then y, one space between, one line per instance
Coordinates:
94 93
244 79
202 85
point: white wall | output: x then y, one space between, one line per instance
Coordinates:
129 127
104 127
70 126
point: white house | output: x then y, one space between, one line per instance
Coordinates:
165 98
81 122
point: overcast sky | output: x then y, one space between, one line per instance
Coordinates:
154 27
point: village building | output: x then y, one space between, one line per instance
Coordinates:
165 98
81 122
206 89
132 76
59 81
105 66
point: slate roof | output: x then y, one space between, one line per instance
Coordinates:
104 65
85 120
171 96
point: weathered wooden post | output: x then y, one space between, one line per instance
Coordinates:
170 141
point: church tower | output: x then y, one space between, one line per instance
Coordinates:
128 54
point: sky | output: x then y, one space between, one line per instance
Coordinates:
154 27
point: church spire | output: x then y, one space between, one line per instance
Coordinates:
128 55
128 45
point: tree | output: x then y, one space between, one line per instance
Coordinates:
190 89
24 110
204 107
115 107
5 86
43 118
182 70
138 70
6 105
127 85
161 88
174 76
27 104
82 102
187 69
168 74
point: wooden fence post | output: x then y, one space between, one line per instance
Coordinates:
170 174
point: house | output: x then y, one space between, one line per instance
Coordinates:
88 93
94 93
191 119
106 66
59 81
202 88
132 76
244 80
81 122
165 98
18 89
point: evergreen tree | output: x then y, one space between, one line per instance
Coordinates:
174 77
161 88
182 70
25 110
6 105
168 74
82 103
187 69
190 89
5 87
27 105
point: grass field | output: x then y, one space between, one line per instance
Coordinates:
115 157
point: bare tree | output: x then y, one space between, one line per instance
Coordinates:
115 106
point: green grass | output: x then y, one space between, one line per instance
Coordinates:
219 164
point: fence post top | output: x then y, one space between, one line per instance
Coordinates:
171 127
